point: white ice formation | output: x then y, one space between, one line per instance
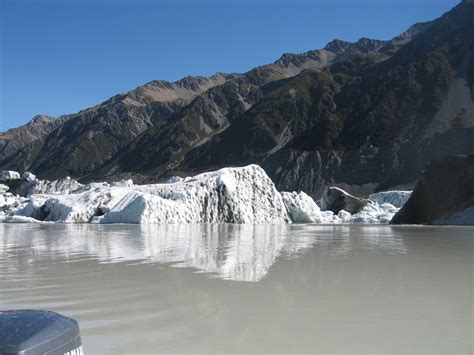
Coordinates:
7 175
28 176
56 187
395 198
229 195
303 209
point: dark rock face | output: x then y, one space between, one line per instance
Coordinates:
18 187
445 189
365 170
335 200
364 116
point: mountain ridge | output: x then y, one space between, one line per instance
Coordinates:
342 107
160 91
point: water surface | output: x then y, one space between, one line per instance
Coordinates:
234 288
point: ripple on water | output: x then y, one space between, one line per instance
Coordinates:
216 288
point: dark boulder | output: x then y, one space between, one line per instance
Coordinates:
443 195
21 187
336 199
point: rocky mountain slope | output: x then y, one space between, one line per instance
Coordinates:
38 128
364 116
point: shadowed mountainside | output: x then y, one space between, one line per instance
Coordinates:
363 116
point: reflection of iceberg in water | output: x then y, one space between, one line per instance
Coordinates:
231 252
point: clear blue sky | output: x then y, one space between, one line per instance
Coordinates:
60 56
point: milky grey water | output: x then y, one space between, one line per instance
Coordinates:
234 288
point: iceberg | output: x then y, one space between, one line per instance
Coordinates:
244 195
28 176
395 198
373 213
229 195
7 175
303 209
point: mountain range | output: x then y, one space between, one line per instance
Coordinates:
364 116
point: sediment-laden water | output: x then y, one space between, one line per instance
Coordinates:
241 288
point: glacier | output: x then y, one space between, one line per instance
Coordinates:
243 195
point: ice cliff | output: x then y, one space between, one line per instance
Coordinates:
229 195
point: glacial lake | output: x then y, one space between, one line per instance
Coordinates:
243 288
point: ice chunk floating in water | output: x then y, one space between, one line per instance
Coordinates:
303 209
229 195
395 198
